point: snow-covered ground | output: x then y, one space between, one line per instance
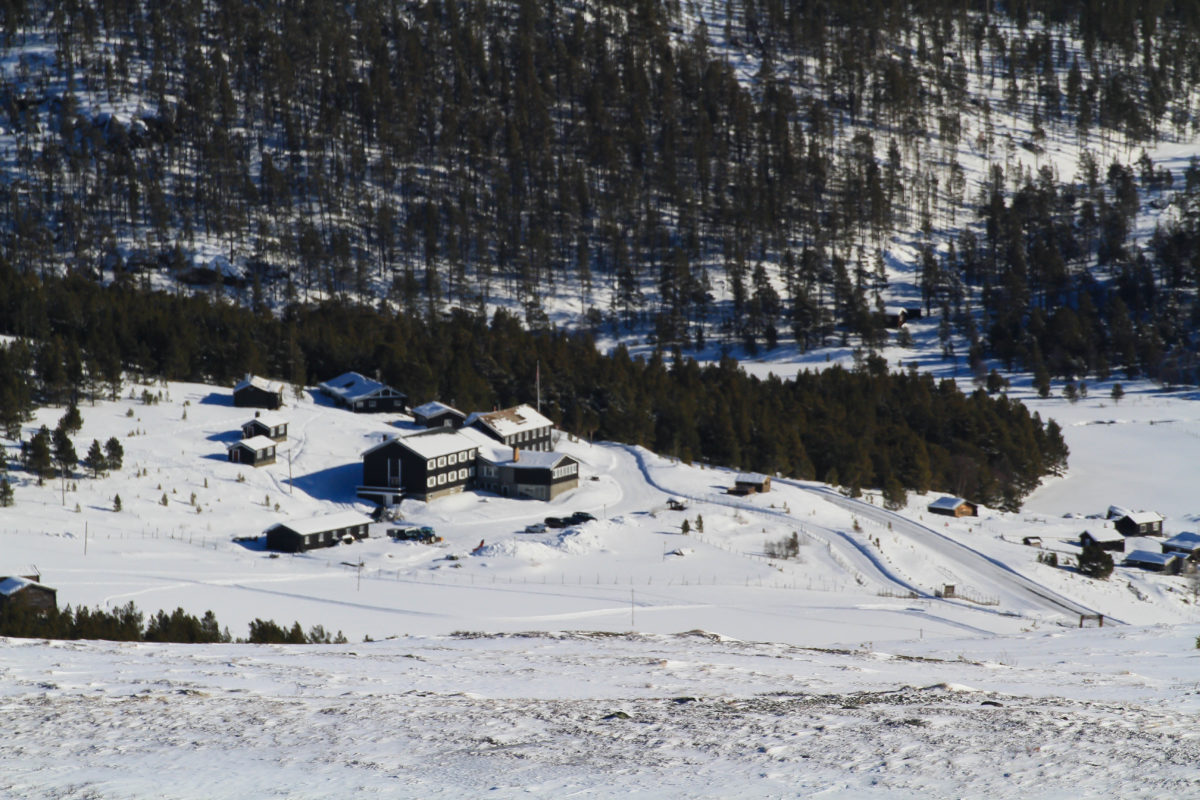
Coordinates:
841 670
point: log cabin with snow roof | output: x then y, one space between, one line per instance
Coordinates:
438 415
423 466
298 535
953 507
1185 545
257 451
751 483
1104 538
520 426
361 394
1137 523
255 392
25 592
272 426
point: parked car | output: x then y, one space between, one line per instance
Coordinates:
537 527
423 534
580 517
556 522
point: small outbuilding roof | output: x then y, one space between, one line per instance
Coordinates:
1183 541
750 477
351 386
1104 535
269 419
434 407
1148 557
1143 517
329 522
531 459
948 503
258 383
255 443
14 584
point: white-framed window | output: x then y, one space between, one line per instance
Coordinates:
430 464
441 461
430 482
370 404
462 474
453 459
441 479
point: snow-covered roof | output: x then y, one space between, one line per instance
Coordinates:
258 383
435 443
351 386
255 443
751 477
268 419
342 519
1183 541
1148 557
1143 517
10 586
509 421
1105 535
529 459
948 503
1116 512
434 407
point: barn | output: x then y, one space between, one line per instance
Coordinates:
17 591
298 535
255 392
255 451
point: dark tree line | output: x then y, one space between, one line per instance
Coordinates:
438 153
127 624
853 428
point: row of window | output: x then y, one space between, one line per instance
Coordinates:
565 470
450 460
524 436
449 477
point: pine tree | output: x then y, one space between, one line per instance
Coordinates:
64 452
71 421
116 502
114 453
39 459
6 493
96 460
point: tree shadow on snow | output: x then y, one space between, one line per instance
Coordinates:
225 437
336 483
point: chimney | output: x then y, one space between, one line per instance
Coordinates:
257 414
516 454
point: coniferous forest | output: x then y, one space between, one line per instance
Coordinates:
756 173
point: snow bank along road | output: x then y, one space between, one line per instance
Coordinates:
985 574
989 574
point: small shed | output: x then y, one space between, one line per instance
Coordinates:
16 591
1105 539
1140 523
255 451
895 316
1031 541
298 535
953 507
1183 544
1154 562
255 392
751 483
438 415
273 426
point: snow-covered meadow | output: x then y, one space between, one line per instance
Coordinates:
619 657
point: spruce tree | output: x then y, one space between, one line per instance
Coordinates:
39 459
96 460
6 493
114 453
